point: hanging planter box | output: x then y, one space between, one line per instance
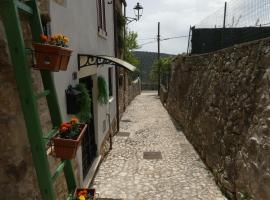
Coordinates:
66 148
89 194
51 57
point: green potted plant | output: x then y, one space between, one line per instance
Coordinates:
68 138
84 101
52 54
78 102
103 96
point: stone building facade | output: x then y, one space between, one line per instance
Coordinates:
222 101
127 89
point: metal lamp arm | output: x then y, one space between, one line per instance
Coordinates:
131 19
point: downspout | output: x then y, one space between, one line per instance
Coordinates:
116 68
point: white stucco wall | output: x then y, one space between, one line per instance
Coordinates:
78 20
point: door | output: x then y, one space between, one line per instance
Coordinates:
89 147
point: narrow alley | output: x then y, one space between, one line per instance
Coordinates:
134 169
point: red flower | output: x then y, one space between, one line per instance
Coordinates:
65 127
44 38
74 120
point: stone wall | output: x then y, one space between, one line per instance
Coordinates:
122 90
105 145
222 101
163 95
127 90
17 173
134 89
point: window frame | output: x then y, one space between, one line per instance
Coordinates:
101 18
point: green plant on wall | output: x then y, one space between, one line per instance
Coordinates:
121 21
85 104
103 96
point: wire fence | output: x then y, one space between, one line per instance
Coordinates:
239 13
237 22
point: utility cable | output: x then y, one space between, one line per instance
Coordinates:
146 38
170 38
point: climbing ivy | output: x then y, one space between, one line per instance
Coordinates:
121 21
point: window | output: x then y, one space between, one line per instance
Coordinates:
110 77
101 16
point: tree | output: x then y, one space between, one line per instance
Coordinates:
131 44
165 66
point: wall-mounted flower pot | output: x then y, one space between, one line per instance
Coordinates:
90 193
66 148
51 57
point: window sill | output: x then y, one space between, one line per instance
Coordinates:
102 33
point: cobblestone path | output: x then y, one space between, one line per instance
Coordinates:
179 174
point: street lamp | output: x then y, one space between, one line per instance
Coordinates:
138 11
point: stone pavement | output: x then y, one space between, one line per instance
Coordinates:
128 174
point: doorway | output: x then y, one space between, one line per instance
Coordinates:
89 146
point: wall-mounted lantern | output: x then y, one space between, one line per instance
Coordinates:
138 11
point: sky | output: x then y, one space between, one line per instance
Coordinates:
175 17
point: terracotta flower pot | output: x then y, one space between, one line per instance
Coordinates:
66 148
51 57
91 192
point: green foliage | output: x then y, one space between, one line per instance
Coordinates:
131 41
85 104
131 44
121 21
164 64
147 60
103 96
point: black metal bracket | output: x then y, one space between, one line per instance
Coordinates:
92 60
130 19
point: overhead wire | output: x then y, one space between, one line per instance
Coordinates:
164 39
146 38
148 43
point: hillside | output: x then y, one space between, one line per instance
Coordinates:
146 62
